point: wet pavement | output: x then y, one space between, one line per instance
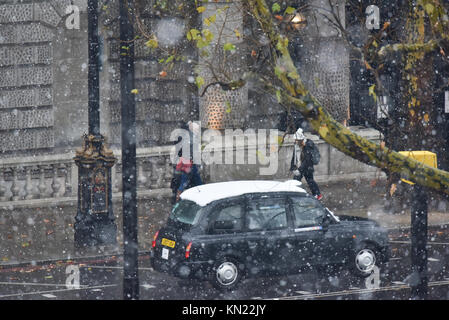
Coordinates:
101 279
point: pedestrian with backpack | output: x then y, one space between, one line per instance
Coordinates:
186 173
305 156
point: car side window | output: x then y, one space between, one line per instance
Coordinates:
307 212
267 214
228 218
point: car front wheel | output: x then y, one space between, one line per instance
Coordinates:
227 274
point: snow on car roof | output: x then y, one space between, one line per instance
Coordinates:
206 193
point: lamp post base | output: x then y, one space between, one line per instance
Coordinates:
94 221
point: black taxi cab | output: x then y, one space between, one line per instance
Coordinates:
224 231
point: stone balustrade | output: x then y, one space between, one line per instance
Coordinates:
56 176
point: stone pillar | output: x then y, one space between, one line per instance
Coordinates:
324 57
220 109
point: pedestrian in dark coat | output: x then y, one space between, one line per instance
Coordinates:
302 162
186 173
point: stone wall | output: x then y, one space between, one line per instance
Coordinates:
165 97
41 87
43 77
334 165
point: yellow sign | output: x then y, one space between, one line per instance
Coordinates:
426 157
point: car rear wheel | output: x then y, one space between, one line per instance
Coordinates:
364 260
227 274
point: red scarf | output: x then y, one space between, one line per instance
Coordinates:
184 165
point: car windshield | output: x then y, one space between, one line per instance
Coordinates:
186 211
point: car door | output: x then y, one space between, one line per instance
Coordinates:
267 232
224 234
308 233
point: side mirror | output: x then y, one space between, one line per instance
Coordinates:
327 221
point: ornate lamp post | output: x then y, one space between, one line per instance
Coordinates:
94 221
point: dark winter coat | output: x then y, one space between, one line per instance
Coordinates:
306 158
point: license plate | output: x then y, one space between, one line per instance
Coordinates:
165 253
168 243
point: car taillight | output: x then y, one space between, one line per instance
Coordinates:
155 238
189 246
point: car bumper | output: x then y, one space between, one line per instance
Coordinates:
181 269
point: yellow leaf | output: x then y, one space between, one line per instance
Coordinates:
134 91
201 9
228 105
367 65
280 140
429 8
237 33
426 117
152 43
372 92
323 131
393 189
260 156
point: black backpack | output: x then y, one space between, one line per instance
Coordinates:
316 157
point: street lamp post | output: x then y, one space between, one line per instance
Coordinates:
418 239
94 221
129 173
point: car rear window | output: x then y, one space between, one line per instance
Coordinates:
186 211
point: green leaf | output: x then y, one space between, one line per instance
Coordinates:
193 34
169 59
201 43
278 96
208 35
275 7
290 10
282 44
228 46
228 107
199 81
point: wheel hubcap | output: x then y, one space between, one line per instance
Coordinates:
227 273
365 260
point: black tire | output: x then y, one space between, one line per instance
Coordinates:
227 273
363 260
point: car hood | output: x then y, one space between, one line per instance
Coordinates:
357 221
